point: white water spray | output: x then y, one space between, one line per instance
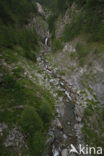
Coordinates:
46 41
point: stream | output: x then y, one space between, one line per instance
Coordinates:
62 131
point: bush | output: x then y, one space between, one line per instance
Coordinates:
73 29
45 112
7 36
89 20
18 72
51 22
57 45
16 12
28 40
14 16
38 144
30 121
82 52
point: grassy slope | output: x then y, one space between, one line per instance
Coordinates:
23 102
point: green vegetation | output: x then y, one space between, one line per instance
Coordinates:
51 22
26 104
13 19
93 124
23 102
89 21
82 52
57 45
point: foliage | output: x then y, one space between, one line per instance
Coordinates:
26 104
89 20
38 144
93 129
73 29
14 15
82 52
16 12
18 72
30 121
22 102
51 22
57 45
45 112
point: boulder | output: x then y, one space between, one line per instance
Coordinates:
64 152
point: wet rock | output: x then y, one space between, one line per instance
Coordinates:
56 153
65 136
50 141
59 125
60 99
68 123
78 119
55 94
62 83
50 133
70 135
67 94
64 152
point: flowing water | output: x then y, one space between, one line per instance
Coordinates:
46 41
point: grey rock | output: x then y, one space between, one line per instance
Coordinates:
64 152
14 139
59 125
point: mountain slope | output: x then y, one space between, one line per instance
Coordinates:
26 106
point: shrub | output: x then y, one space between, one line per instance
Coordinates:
14 16
89 20
57 45
38 144
18 72
73 29
82 52
51 22
30 121
28 40
45 112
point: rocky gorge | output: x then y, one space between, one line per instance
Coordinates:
54 95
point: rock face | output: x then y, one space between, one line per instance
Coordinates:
12 138
37 23
15 139
40 9
62 22
59 125
64 152
40 26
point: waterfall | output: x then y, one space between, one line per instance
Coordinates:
46 41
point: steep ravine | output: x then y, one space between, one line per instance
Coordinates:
63 130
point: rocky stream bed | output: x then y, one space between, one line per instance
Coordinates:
65 128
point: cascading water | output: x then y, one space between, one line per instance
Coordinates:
46 41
